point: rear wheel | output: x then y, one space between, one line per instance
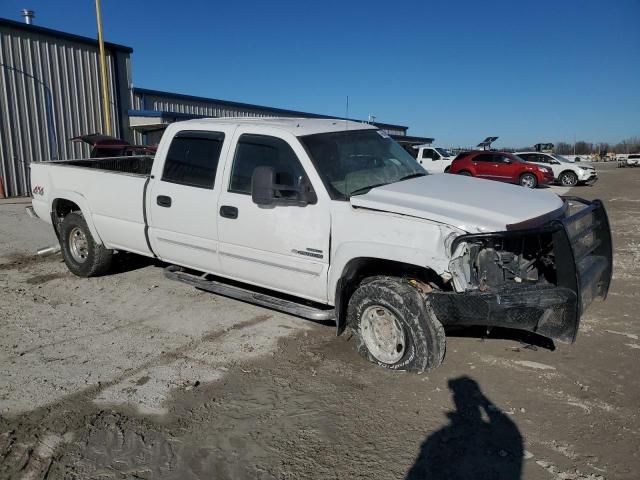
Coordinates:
465 173
528 180
568 179
83 256
394 326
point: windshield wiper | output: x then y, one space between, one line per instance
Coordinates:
360 191
413 175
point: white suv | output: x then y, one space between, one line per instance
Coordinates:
629 160
565 171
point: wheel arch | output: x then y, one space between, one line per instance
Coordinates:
359 268
65 202
567 170
532 173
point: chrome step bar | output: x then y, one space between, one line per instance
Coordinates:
246 295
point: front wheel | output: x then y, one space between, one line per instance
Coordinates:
529 180
394 326
465 173
568 179
83 256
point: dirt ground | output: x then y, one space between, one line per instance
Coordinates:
134 376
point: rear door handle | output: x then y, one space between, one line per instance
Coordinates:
163 201
228 211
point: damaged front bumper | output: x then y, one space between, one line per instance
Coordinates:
540 279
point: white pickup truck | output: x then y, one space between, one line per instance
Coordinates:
330 219
433 159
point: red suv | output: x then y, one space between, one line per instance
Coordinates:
503 167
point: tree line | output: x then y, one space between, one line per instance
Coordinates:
629 145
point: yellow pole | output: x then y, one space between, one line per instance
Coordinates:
106 105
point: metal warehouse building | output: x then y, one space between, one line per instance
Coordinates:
50 92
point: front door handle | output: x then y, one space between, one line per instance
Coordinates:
228 211
163 201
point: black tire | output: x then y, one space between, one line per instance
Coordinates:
97 258
568 179
446 170
424 338
528 180
465 173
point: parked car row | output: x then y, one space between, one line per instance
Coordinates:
631 160
529 169
501 166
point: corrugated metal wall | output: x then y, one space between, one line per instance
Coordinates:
150 100
50 92
192 107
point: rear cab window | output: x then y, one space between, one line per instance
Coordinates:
192 159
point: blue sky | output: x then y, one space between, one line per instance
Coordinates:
457 70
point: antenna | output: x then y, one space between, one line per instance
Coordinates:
346 116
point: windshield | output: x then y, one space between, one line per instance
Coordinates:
560 158
444 152
354 161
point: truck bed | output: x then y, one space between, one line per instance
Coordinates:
138 164
109 191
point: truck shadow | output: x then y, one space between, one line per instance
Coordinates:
127 262
480 442
526 339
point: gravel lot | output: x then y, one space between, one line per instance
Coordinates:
134 376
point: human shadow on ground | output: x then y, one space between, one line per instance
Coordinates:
481 442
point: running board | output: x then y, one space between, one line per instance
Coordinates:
246 295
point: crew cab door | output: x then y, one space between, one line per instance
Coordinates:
182 199
281 247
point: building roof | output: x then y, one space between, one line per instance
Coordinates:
297 126
275 111
4 22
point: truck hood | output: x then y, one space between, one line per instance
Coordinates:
470 204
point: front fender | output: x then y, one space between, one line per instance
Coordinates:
436 260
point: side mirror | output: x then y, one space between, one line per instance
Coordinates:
506 160
262 186
266 192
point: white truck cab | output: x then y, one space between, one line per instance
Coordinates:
565 171
433 159
333 220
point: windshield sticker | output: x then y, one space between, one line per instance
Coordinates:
382 134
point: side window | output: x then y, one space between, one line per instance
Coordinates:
427 153
501 159
193 158
435 155
527 157
264 151
483 157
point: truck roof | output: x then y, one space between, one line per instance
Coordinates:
297 126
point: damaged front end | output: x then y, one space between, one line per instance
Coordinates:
540 279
